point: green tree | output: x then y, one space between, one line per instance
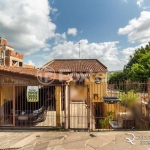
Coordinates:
141 70
117 77
138 67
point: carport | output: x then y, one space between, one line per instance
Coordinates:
19 109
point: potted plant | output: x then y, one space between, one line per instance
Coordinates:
105 122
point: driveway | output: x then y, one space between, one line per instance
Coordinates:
49 140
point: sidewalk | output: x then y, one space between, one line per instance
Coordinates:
75 140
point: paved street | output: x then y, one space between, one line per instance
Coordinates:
75 140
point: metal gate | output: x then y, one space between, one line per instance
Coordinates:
79 107
24 106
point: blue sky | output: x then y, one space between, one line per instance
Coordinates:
108 30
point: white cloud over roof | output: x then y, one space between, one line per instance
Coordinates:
138 29
27 24
72 31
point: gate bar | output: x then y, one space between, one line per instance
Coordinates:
14 106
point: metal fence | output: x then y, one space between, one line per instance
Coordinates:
132 111
78 107
40 111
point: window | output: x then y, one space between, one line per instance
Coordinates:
20 64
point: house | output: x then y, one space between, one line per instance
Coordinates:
71 89
14 82
7 55
84 105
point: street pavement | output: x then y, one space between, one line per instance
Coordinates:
50 140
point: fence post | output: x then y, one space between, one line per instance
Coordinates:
14 106
66 106
58 105
148 99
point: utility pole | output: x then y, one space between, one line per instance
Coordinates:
79 50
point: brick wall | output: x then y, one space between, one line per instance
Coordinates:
7 62
3 41
17 55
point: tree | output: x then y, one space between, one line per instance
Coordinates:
137 69
117 77
141 70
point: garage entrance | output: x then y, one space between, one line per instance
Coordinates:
32 106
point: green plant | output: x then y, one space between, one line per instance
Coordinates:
129 99
105 122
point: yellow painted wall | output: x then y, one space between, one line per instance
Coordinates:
116 108
6 92
100 89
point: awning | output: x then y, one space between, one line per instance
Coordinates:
111 100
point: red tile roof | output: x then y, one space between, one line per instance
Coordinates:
76 65
32 72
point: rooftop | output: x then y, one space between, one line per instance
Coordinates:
32 72
76 65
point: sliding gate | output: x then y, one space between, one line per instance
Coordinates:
32 106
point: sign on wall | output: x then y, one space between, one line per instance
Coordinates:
32 93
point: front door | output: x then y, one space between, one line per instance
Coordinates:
79 100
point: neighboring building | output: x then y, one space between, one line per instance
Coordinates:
7 55
28 66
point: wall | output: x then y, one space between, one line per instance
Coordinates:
7 61
6 92
3 41
9 47
99 89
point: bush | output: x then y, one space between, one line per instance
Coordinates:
105 122
129 99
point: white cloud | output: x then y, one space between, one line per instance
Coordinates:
26 24
46 49
146 7
72 31
127 52
106 52
54 10
30 62
140 3
138 30
60 38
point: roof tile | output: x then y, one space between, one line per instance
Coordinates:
76 65
33 72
